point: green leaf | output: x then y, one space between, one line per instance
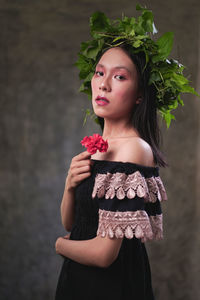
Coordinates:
84 66
180 79
82 88
139 26
164 43
139 7
132 32
174 105
84 45
88 92
141 37
137 44
146 18
92 52
89 77
148 21
92 49
155 76
99 22
97 121
168 117
180 100
125 19
87 113
127 28
189 89
132 21
86 89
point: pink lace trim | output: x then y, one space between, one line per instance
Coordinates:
129 224
130 186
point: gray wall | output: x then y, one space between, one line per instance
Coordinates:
41 128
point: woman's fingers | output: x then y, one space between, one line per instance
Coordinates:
79 170
76 180
81 163
82 155
81 177
84 169
67 236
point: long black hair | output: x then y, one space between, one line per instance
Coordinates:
144 114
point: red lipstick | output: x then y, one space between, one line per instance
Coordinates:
102 101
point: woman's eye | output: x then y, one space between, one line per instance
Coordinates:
99 73
120 77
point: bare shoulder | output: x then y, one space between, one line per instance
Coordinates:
136 150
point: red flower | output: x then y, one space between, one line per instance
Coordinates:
94 143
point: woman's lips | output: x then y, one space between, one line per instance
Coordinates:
102 101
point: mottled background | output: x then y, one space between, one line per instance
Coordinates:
41 128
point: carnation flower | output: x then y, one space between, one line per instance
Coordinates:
94 143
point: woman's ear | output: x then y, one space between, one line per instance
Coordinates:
138 100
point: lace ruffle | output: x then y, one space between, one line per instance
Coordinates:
121 185
129 224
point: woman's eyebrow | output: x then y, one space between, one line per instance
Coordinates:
123 67
117 67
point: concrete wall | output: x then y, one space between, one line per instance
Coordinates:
41 128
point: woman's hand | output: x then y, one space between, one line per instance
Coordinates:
67 236
79 170
59 242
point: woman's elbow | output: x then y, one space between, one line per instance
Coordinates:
67 226
107 251
104 264
106 261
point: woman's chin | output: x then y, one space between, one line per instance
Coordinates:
99 113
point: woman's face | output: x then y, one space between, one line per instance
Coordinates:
115 85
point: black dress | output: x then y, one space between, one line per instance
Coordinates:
119 199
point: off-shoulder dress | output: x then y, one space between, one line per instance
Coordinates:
122 200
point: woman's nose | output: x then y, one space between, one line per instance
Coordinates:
105 86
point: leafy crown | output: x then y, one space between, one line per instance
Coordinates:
165 74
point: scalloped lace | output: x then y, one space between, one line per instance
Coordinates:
129 224
130 186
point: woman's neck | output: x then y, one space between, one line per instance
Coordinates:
114 130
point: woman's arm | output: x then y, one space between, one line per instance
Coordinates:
67 209
99 252
79 170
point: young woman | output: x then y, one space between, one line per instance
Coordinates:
112 200
117 194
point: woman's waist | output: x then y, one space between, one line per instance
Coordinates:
86 220
84 228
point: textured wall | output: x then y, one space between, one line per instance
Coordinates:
40 129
